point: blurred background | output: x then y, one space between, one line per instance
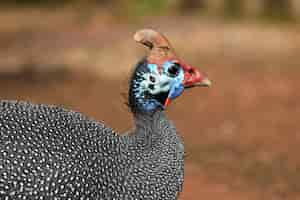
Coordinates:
242 135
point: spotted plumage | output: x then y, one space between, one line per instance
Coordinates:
47 152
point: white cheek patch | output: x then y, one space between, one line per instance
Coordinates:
164 83
160 83
155 82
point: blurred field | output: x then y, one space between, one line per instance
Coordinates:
241 136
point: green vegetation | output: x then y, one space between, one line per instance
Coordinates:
278 10
34 2
233 9
146 7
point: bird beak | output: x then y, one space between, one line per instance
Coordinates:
194 78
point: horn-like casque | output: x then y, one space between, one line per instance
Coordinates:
160 48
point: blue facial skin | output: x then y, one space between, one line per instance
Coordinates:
176 86
176 90
158 81
151 104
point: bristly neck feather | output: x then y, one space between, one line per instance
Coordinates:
148 123
153 128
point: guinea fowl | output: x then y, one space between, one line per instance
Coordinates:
47 152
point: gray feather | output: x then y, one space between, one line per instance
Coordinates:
47 152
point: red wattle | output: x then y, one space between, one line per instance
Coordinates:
167 102
191 75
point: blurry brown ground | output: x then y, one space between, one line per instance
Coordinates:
242 135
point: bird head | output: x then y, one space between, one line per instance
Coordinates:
161 76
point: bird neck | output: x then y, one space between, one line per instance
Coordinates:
152 126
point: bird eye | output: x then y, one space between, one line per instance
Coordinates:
173 70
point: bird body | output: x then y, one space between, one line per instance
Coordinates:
48 152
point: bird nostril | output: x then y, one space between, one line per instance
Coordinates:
191 71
